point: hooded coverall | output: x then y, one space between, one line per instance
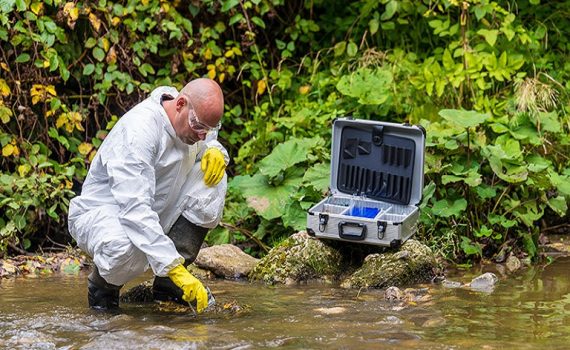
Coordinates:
139 183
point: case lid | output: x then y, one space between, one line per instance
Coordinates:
381 161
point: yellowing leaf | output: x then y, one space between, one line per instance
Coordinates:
37 7
72 13
237 51
84 148
144 2
92 155
222 77
4 88
95 21
5 113
261 86
8 150
46 64
4 66
229 53
208 54
51 90
24 169
61 120
115 21
212 73
111 57
303 90
105 43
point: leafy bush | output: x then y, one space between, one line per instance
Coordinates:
486 80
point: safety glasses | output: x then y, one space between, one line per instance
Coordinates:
196 124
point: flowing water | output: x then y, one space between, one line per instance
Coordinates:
527 310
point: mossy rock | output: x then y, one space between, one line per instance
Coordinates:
413 263
299 258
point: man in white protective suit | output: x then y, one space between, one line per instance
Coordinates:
155 187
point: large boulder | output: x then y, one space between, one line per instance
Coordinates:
413 263
299 258
226 260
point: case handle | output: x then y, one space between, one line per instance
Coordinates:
353 235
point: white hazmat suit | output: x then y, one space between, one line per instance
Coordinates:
141 180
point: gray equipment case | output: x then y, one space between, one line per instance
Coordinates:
376 184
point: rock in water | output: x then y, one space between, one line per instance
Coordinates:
226 261
413 263
298 258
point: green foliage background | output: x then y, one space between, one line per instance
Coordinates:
487 79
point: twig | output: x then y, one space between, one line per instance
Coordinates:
551 228
248 234
18 249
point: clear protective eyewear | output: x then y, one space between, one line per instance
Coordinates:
196 124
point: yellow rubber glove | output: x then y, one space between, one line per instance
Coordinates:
213 166
192 288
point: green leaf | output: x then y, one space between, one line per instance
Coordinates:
268 201
88 69
99 54
446 208
373 26
463 118
258 21
318 176
23 58
285 155
6 6
229 4
559 205
469 247
339 48
368 85
490 35
294 216
352 49
391 9
91 42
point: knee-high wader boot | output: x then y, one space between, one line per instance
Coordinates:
101 295
188 239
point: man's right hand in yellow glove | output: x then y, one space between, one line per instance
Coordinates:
192 288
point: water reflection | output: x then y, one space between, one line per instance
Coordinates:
526 311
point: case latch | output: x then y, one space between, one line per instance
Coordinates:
378 135
381 229
323 220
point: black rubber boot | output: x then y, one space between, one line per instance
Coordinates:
102 295
188 239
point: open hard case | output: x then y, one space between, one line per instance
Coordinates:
376 183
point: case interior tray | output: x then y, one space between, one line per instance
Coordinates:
361 208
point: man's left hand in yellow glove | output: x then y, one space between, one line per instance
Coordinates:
192 288
213 166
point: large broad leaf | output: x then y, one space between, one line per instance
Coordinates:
465 119
559 205
294 216
367 85
267 200
319 176
285 155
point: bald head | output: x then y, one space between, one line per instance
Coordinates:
207 98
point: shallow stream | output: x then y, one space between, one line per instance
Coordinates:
527 310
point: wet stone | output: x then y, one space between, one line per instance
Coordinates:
413 263
226 260
298 258
513 263
485 282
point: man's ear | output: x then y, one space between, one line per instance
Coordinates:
181 103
